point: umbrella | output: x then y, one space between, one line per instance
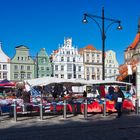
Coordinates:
6 82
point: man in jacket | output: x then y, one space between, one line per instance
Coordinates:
119 98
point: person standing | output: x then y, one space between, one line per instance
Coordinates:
119 98
84 94
26 100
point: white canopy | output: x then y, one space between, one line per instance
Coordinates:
51 80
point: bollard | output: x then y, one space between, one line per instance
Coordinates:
137 106
85 109
65 109
15 111
54 107
104 107
41 110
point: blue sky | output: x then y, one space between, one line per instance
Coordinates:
44 24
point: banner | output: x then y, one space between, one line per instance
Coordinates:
129 69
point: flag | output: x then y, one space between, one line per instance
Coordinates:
129 69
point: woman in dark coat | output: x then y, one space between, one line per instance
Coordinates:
119 98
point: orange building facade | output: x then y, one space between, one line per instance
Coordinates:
132 58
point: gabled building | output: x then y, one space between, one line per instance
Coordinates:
67 62
4 65
111 65
132 58
44 65
92 60
22 65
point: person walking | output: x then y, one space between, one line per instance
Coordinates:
119 98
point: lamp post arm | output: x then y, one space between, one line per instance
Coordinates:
92 17
110 25
99 17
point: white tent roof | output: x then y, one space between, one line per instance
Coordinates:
52 80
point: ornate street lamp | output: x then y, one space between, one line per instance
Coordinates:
103 32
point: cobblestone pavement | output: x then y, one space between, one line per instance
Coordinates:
95 127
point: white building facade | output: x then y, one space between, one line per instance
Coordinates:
67 62
111 65
4 65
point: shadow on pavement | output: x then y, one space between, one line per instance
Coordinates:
95 127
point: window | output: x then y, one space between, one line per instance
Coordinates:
110 71
68 52
4 67
42 68
93 77
22 67
74 76
16 67
87 54
42 75
15 76
0 67
98 77
21 58
87 69
69 76
98 70
79 76
74 59
98 61
79 68
28 67
22 76
43 60
92 54
47 69
4 75
92 70
114 71
56 67
62 75
62 59
62 68
87 77
28 75
69 67
56 75
68 59
0 75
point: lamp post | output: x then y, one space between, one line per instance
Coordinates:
103 32
37 68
